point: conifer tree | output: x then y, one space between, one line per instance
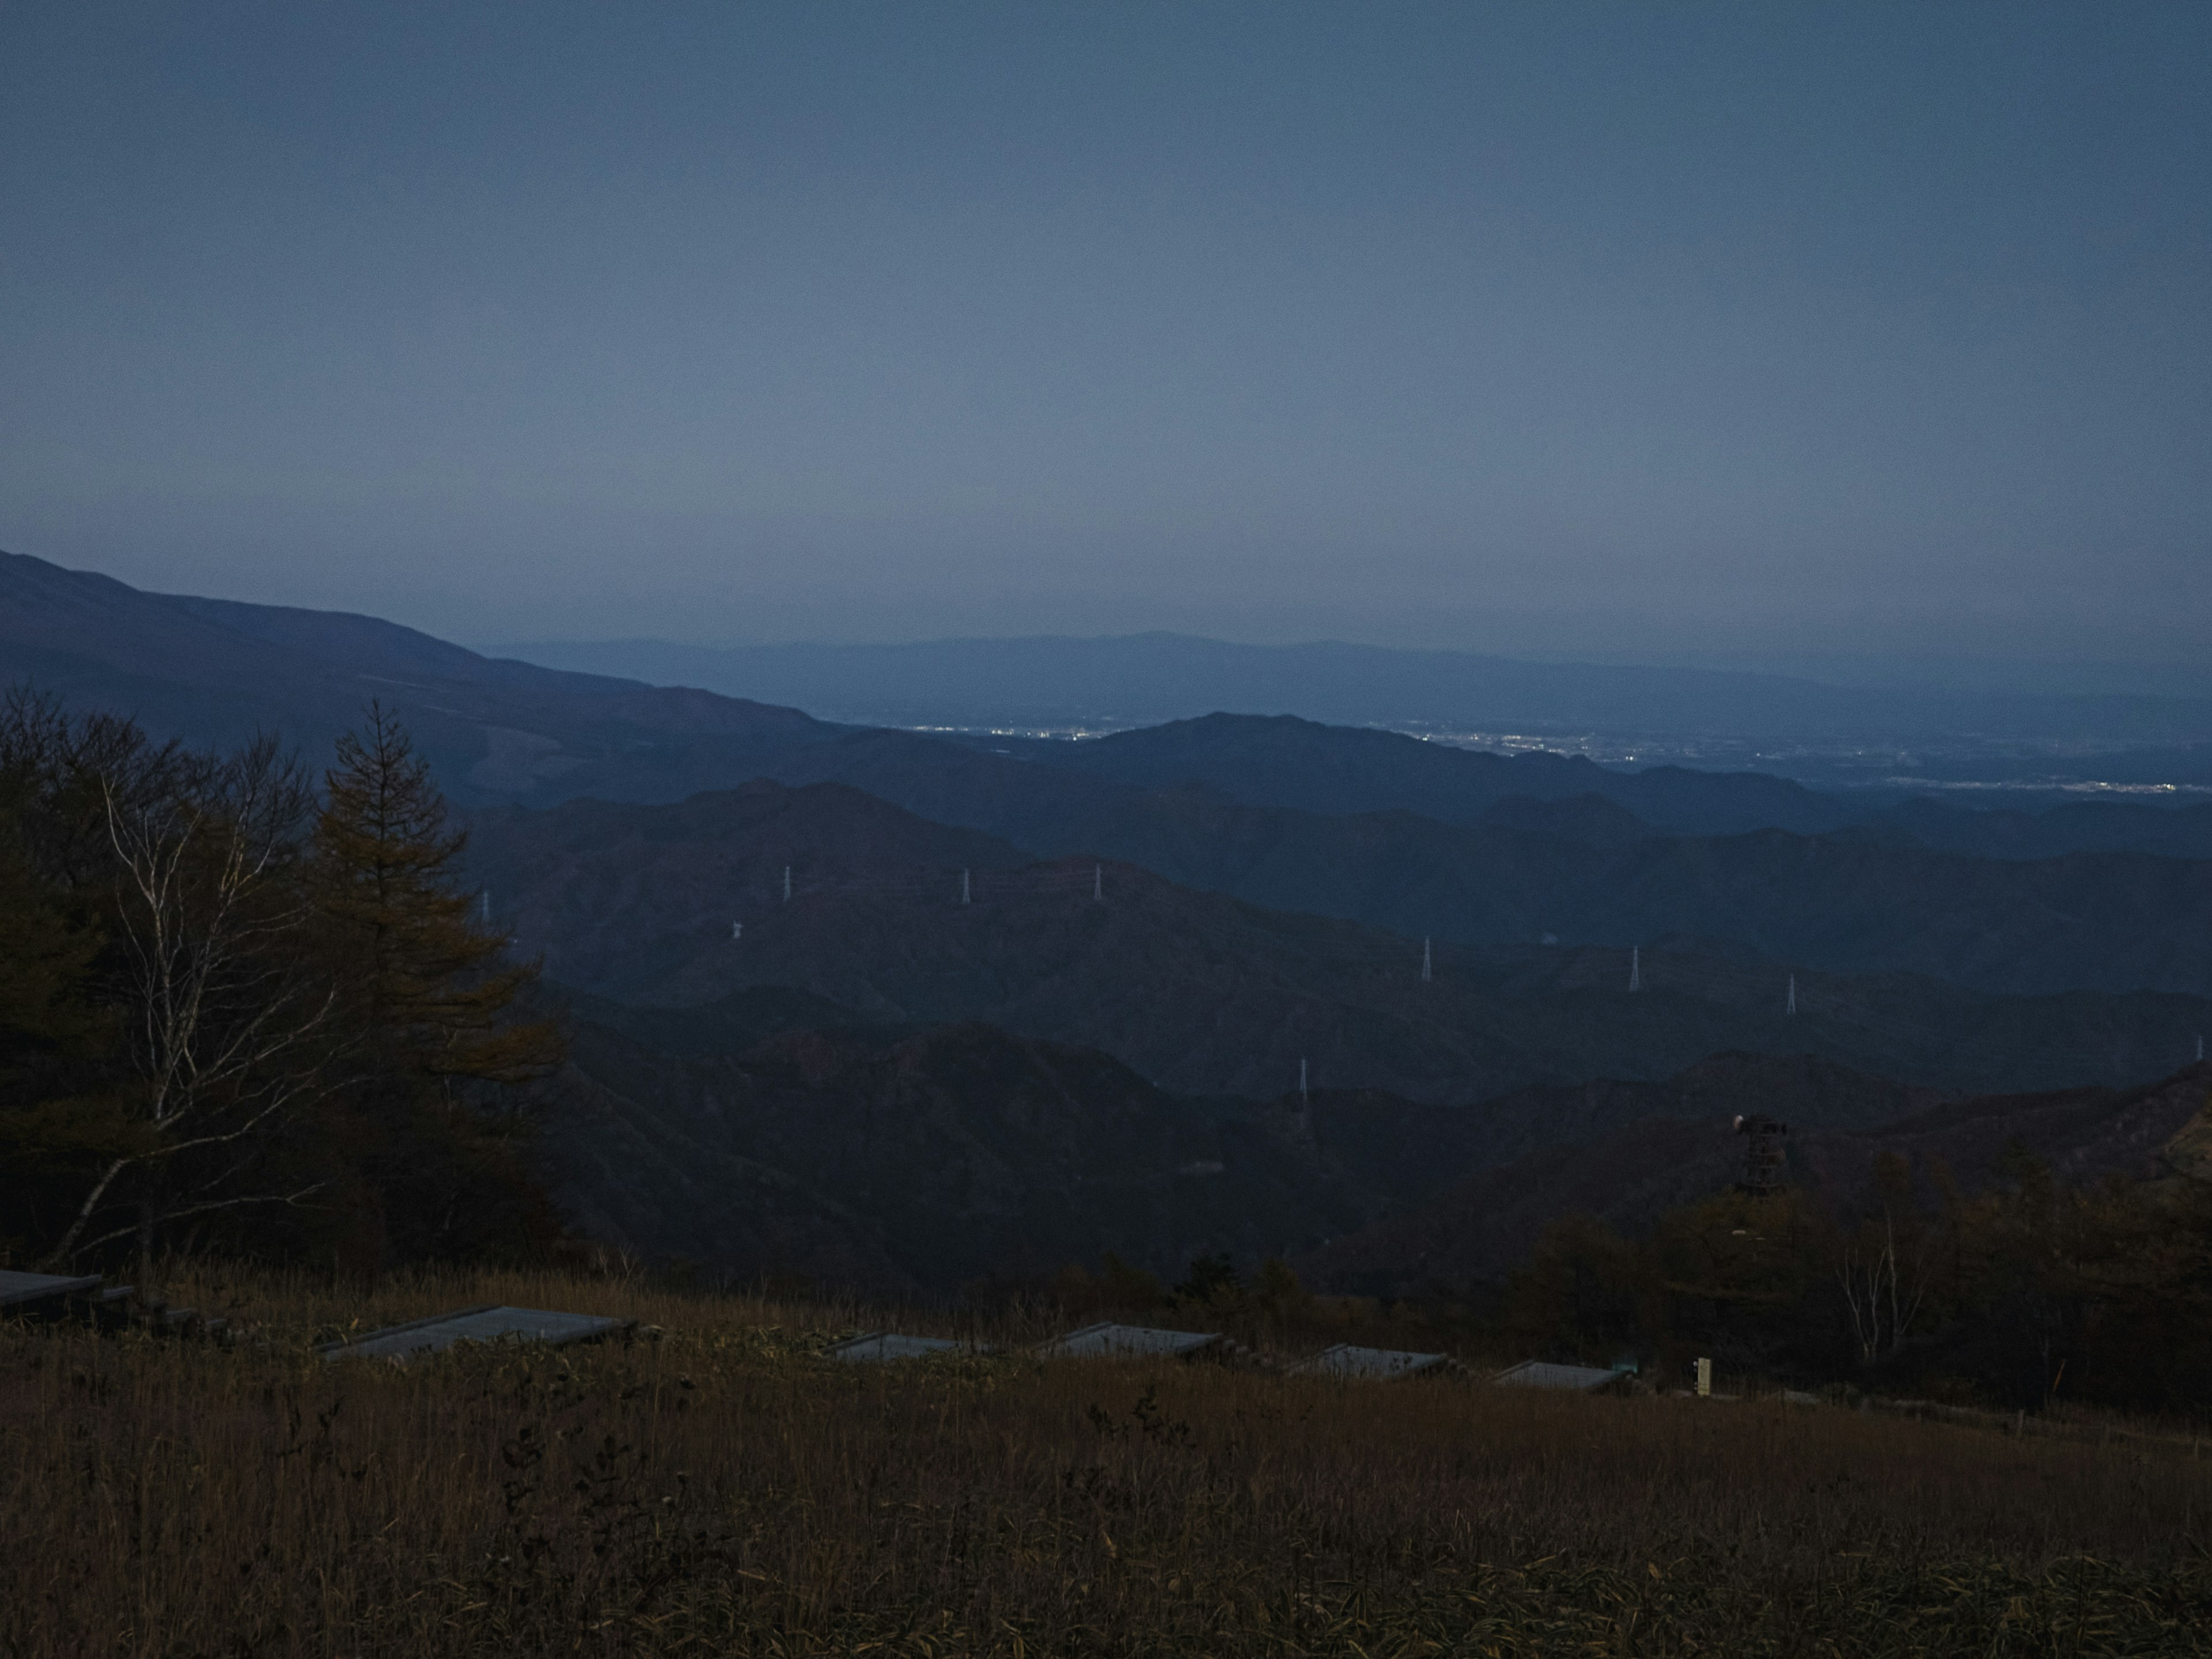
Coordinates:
438 1049
429 985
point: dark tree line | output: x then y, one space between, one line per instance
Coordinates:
239 1012
2030 1292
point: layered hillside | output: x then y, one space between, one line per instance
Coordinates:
1500 851
1848 902
861 987
1281 761
681 905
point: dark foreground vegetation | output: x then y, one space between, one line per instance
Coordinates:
2030 1291
715 1486
245 1005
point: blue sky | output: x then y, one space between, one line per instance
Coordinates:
1737 330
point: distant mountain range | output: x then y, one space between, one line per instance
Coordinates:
909 1010
1201 993
2114 922
1148 678
1416 838
213 670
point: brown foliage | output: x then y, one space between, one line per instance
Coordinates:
433 988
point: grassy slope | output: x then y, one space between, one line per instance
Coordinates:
716 1487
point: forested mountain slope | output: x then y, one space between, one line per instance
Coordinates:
927 1158
1200 993
932 1159
1846 903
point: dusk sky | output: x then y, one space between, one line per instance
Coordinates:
1627 331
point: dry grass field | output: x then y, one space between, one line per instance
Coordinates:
714 1486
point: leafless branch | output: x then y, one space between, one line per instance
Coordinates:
224 1031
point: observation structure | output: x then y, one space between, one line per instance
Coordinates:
1765 1165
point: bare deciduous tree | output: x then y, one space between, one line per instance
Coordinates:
1885 1271
226 1030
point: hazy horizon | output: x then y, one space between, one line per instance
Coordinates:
2189 678
1601 331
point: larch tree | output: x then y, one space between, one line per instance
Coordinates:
443 1048
431 986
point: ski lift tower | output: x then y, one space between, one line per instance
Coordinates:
1764 1162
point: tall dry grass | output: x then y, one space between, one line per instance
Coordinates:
717 1488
